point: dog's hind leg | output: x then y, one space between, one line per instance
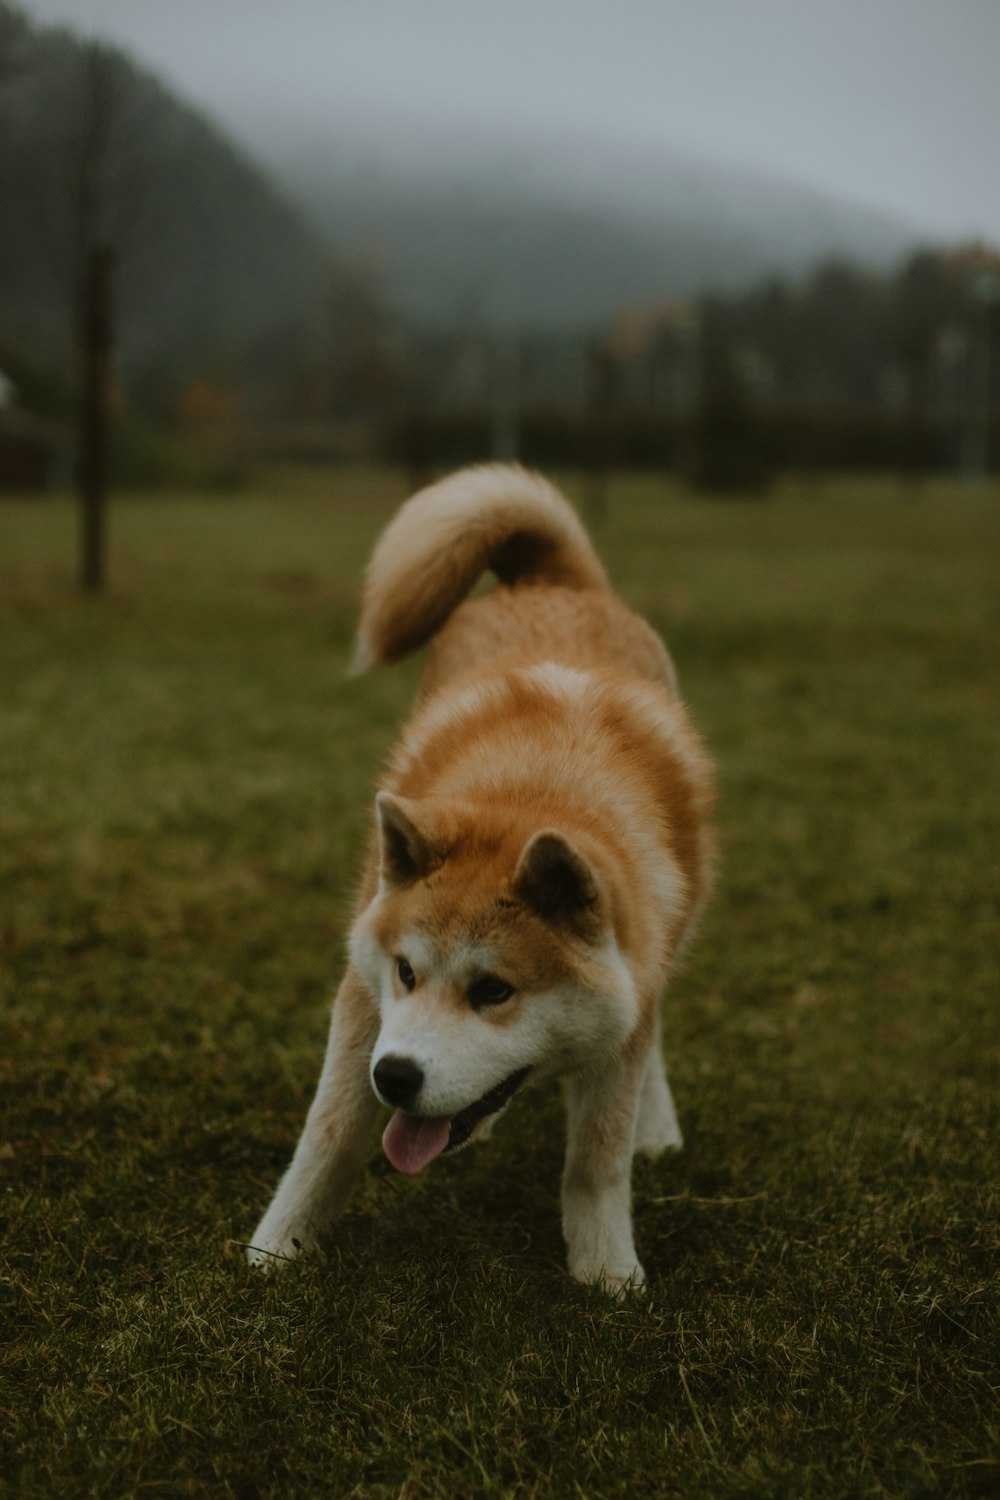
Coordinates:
601 1113
657 1129
334 1141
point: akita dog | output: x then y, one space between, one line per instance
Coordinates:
541 848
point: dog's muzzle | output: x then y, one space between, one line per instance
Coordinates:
465 1122
412 1141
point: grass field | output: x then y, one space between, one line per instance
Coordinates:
184 784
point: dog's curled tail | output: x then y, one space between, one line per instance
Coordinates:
496 516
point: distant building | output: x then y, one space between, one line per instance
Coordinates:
34 454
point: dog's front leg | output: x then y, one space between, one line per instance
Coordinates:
601 1113
335 1139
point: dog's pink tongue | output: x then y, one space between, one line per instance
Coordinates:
410 1142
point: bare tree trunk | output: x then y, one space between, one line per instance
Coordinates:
95 405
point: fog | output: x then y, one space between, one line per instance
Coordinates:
727 239
893 104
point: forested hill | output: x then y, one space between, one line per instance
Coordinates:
563 232
220 267
213 261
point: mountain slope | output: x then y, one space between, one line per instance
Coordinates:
563 232
211 257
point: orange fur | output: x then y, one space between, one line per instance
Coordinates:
548 804
619 768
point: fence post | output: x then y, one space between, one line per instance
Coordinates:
95 406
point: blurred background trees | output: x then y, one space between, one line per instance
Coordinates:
650 336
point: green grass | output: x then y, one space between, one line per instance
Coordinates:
184 784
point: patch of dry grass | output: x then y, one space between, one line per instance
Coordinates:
184 780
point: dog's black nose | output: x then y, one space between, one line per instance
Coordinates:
398 1080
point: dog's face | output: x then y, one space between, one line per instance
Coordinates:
492 958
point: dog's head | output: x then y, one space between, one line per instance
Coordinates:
490 948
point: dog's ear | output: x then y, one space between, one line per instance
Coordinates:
405 850
557 882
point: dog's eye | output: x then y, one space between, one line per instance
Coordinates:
407 978
489 991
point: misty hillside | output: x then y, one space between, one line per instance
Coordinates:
212 260
562 232
218 266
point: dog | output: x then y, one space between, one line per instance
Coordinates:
541 848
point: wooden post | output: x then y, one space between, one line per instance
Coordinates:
505 397
95 406
597 431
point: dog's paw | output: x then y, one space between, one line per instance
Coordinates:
654 1139
272 1247
267 1260
624 1280
657 1129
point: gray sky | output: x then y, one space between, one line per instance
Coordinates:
891 102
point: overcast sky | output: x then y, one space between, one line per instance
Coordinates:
895 103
